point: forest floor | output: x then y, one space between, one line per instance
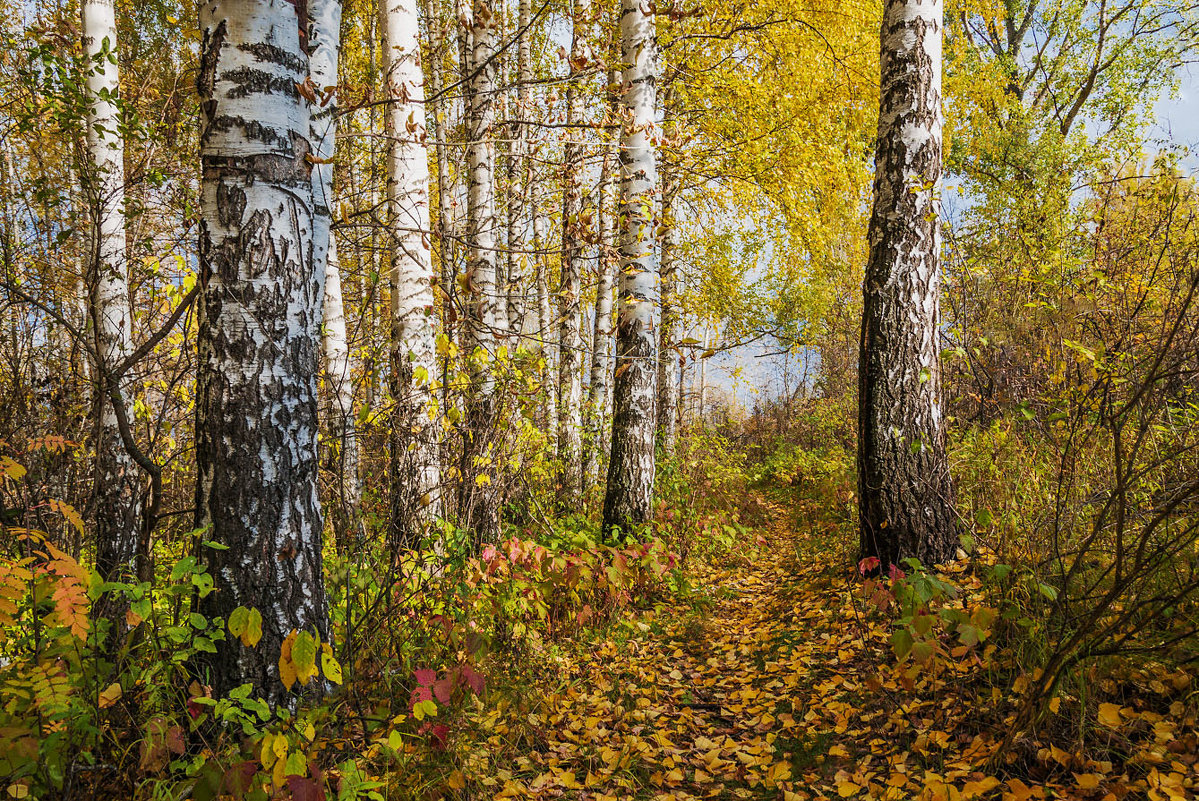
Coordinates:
768 681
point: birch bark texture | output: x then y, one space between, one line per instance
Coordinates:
518 178
905 493
485 317
259 318
570 310
598 386
324 44
415 459
668 362
118 500
628 501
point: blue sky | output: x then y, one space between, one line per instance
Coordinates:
1178 119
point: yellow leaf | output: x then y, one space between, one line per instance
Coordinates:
14 471
845 789
1109 715
287 669
68 511
457 781
1088 781
111 695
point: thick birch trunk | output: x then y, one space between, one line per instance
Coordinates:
570 344
629 497
485 316
118 486
259 320
324 43
415 460
905 493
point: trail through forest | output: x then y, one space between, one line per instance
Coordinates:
769 681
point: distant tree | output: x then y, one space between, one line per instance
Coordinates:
486 319
415 459
905 496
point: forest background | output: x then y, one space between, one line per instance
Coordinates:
496 399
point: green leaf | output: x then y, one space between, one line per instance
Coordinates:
901 643
303 656
237 621
297 765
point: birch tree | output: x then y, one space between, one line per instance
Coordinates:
415 462
668 372
259 320
324 43
629 496
518 176
484 316
905 494
118 500
601 337
570 311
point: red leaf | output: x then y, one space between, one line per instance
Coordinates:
426 676
473 678
238 778
868 565
303 789
444 689
420 694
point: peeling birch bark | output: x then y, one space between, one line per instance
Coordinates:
629 498
906 505
259 314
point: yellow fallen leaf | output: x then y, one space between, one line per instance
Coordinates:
1109 715
845 789
1088 781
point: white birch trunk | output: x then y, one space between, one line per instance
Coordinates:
570 343
118 491
486 318
905 494
518 178
260 311
324 43
668 359
545 334
628 502
416 464
601 338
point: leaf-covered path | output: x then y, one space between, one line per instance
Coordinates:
770 683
